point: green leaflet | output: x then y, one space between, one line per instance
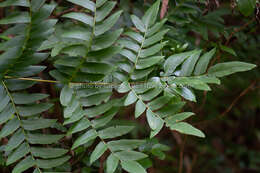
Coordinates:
175 60
20 152
47 153
98 152
83 124
98 110
203 62
33 109
130 99
106 118
43 138
155 38
66 95
15 140
84 3
177 118
9 128
112 132
80 34
7 113
154 121
148 62
83 139
25 164
189 64
35 124
228 50
105 10
107 24
82 17
22 17
106 40
140 107
150 15
138 23
111 163
124 144
24 98
51 163
23 3
186 128
132 167
130 155
99 3
224 69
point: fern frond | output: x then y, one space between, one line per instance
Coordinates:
142 49
21 111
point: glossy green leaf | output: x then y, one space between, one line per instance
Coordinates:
154 121
136 36
175 60
106 40
107 24
10 127
148 62
7 113
83 124
84 3
132 167
66 95
138 23
16 139
124 87
98 152
186 128
125 144
140 107
112 132
203 62
33 109
228 68
51 163
130 99
105 10
43 138
7 3
20 152
177 118
24 98
228 50
22 17
36 124
77 34
99 3
25 164
47 153
150 15
106 118
82 17
130 155
111 163
98 110
155 38
83 139
189 64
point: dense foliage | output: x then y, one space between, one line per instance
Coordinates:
104 58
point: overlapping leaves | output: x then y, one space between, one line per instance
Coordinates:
20 112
